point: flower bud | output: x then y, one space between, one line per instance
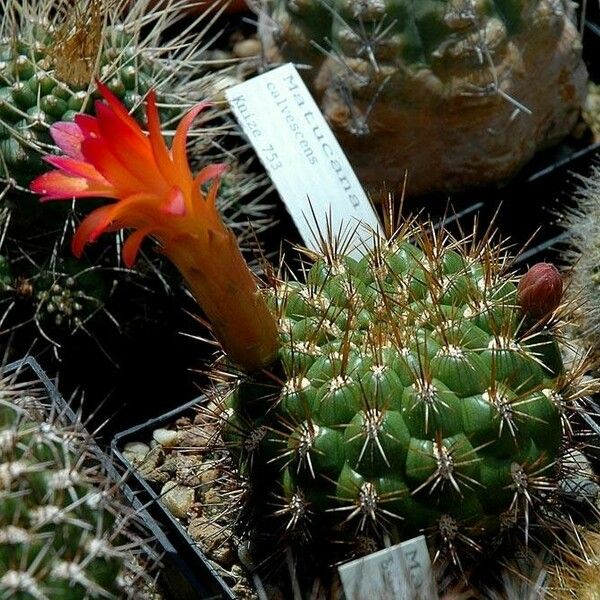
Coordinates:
540 290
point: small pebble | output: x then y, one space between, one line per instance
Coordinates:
177 498
188 469
213 504
182 422
247 48
209 475
150 463
170 465
214 539
196 437
135 452
165 437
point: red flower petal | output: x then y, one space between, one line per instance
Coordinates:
157 142
68 137
132 244
88 125
178 150
174 203
136 210
55 185
77 168
118 109
90 229
131 149
209 172
122 179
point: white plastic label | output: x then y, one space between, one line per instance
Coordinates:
303 158
402 572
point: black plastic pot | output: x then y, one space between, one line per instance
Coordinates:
176 578
209 583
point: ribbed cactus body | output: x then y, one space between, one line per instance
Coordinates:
36 89
413 396
63 532
421 35
478 84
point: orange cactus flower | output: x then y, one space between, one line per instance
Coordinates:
157 195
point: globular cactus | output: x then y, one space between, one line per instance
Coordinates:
413 393
49 56
64 532
478 84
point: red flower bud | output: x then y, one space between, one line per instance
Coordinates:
540 290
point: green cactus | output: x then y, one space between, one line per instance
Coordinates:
49 57
412 395
46 71
480 84
64 533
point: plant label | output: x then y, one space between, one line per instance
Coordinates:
402 572
307 165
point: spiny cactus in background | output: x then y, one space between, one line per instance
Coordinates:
479 85
51 54
64 532
583 253
591 113
577 573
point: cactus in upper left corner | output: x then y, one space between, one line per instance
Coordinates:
64 532
47 69
51 55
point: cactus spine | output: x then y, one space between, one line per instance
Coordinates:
583 253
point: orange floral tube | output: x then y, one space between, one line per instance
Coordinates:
156 195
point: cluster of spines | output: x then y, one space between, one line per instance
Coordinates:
583 253
64 531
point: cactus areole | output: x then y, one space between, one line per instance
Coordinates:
480 85
406 391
